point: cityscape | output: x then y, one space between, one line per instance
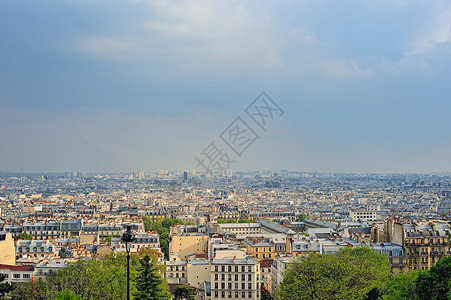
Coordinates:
261 220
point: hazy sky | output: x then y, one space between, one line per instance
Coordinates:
96 86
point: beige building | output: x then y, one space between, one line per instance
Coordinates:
185 245
7 249
198 271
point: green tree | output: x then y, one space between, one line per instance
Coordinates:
68 295
434 284
150 284
351 273
402 286
301 217
103 279
147 223
23 236
183 292
245 221
5 287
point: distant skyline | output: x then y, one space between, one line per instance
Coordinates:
111 86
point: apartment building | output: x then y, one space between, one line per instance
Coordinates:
43 230
35 249
260 248
426 244
235 276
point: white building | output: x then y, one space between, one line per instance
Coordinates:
235 276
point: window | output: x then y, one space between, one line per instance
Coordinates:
236 285
229 286
222 268
216 268
229 278
236 294
249 277
216 276
242 268
243 286
236 277
249 268
243 277
229 268
216 294
222 294
222 285
249 294
249 286
222 277
26 275
236 270
216 285
243 294
16 275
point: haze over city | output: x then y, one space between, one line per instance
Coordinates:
111 86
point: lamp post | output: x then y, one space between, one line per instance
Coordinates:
128 237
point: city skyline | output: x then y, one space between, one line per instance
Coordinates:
115 87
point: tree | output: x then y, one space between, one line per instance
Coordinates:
301 217
98 279
245 221
5 288
351 273
68 295
150 284
183 292
434 284
147 223
402 286
23 236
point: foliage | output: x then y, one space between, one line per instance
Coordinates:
434 284
245 221
98 279
183 292
5 288
402 286
23 236
222 221
68 295
301 218
350 273
150 283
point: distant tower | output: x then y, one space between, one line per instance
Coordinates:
185 175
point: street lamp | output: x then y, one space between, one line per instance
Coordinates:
128 237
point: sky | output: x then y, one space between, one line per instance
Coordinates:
119 86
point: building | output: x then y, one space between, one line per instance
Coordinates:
198 271
176 271
7 249
260 248
185 245
16 274
235 276
426 244
35 249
